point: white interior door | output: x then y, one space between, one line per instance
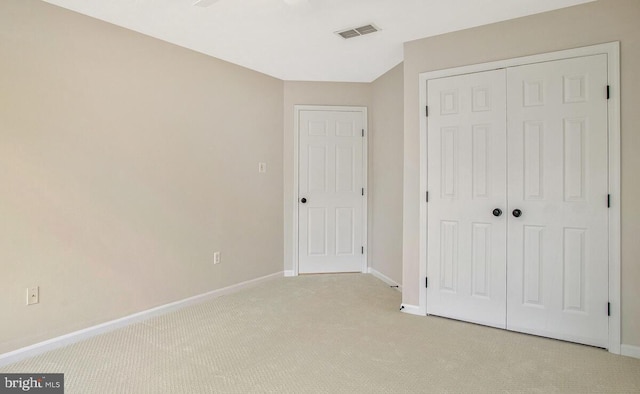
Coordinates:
541 267
557 179
331 191
466 242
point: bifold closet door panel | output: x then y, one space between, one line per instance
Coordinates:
467 198
557 180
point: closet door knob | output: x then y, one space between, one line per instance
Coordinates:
517 213
497 212
303 200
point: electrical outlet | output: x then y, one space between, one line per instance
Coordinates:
262 167
33 295
216 257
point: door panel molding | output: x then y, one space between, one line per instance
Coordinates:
612 50
295 181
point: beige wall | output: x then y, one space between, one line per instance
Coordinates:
593 23
125 162
385 163
314 93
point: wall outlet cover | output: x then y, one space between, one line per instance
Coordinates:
33 295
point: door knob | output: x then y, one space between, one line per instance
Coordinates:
497 212
517 213
303 200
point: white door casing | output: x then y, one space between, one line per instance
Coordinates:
467 182
331 190
558 243
557 177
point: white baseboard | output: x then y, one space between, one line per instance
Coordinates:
385 279
412 310
288 273
630 350
76 336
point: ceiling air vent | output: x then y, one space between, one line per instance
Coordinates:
366 29
357 31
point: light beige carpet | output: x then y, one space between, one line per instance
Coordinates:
326 334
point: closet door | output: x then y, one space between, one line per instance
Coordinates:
557 190
467 198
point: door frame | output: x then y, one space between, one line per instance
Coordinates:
612 50
296 163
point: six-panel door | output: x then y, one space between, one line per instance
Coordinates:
558 248
330 226
554 221
466 242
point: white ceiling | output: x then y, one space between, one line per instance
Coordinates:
294 40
